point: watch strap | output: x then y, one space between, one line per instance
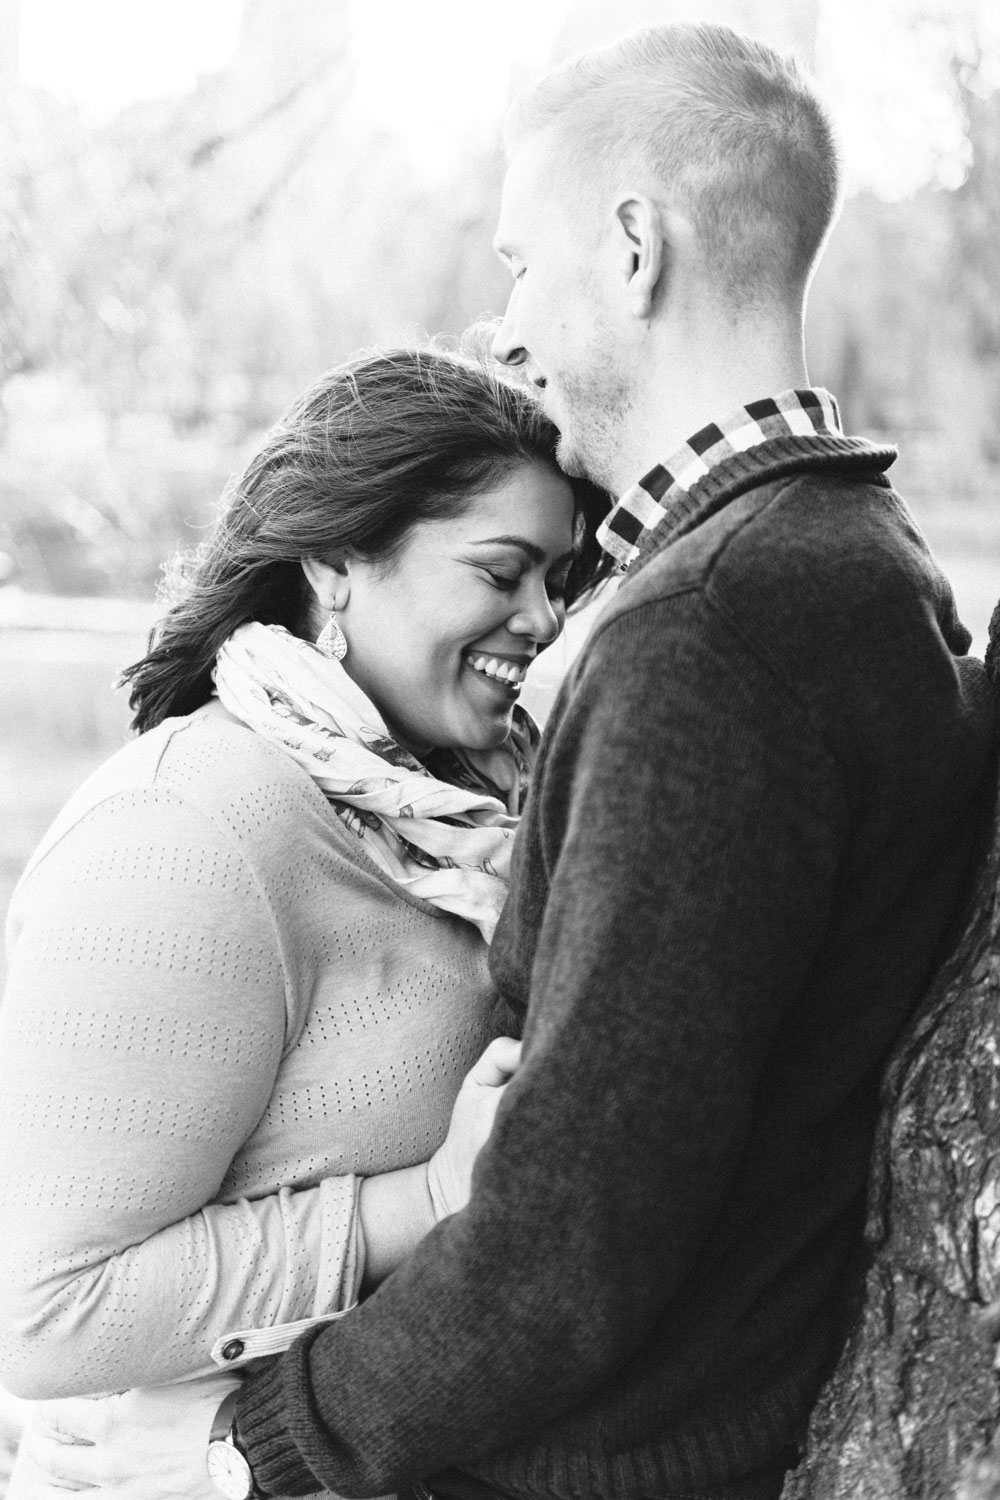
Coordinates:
222 1422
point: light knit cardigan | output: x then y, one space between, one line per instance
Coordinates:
220 1014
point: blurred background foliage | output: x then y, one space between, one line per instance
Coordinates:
177 262
170 276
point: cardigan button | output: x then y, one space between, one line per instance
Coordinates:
233 1349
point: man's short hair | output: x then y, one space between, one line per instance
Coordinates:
716 124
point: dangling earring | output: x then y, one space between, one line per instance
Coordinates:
331 639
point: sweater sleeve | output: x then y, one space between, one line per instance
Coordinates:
140 1035
682 839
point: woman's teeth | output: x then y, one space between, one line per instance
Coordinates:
501 671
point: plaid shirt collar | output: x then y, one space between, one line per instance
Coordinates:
647 504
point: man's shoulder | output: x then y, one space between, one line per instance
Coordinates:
834 559
810 539
821 583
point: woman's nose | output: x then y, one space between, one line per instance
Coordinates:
540 619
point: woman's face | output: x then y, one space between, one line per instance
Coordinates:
440 638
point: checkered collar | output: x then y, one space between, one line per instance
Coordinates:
647 504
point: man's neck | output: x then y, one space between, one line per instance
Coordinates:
680 396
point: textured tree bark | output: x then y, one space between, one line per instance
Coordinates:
912 1409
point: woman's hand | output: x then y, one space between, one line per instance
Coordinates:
147 1444
398 1208
449 1171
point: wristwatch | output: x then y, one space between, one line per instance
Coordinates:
228 1466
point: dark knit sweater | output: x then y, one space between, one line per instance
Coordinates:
751 824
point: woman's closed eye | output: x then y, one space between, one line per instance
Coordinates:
507 582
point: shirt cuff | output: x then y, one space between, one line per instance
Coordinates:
240 1346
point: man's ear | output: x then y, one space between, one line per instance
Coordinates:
329 582
645 250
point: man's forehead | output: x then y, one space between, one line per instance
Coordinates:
530 191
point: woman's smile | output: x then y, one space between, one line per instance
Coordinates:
500 671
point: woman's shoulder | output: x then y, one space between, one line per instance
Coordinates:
213 758
222 775
249 788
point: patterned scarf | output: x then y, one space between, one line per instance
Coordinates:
446 841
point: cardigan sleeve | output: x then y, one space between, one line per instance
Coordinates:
682 845
140 1035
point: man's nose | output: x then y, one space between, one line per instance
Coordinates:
506 348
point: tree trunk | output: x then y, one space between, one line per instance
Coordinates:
912 1407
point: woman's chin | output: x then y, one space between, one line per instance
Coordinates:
489 735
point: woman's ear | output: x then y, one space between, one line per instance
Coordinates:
645 250
329 582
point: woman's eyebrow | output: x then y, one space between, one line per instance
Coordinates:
535 554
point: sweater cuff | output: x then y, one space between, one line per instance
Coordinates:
271 1405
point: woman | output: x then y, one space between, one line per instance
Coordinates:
248 962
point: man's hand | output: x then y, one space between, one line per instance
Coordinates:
147 1444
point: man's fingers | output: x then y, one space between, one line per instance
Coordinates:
497 1063
75 1419
41 1472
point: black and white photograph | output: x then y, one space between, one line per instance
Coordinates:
500 749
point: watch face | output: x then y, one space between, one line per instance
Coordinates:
229 1471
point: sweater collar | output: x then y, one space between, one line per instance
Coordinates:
648 505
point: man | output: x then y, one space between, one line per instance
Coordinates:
753 821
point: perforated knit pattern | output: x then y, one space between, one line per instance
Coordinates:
218 1017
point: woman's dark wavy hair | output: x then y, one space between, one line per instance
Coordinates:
376 446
